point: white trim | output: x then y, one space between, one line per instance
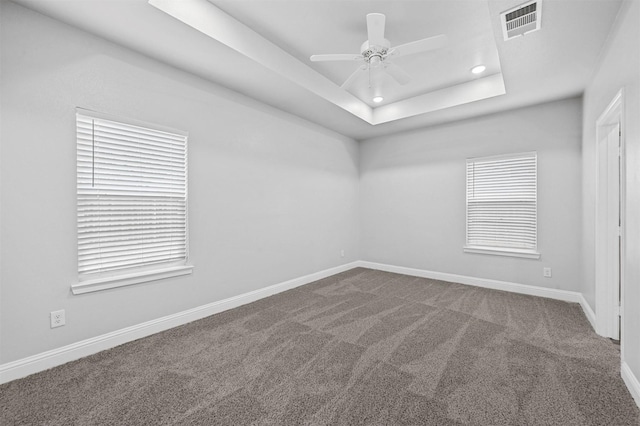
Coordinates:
615 103
607 295
631 381
588 312
45 360
550 293
501 251
105 283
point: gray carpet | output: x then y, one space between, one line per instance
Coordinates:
361 347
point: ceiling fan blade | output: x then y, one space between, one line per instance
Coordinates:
337 57
419 46
353 76
375 28
397 73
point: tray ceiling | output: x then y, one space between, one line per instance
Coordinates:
268 59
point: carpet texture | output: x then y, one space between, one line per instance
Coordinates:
361 347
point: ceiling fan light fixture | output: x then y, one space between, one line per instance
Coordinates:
478 69
375 61
378 99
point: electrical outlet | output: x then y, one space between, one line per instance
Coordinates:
546 272
341 253
57 318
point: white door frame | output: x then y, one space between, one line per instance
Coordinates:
609 294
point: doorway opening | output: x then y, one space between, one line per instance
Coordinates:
609 220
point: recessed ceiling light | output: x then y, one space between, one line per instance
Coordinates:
378 99
478 69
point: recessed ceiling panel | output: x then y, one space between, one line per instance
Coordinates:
369 87
303 28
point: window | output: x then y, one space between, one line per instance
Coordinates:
502 205
131 202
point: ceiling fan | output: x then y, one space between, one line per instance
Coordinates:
377 50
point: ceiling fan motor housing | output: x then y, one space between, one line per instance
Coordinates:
369 51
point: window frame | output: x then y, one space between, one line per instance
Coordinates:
139 273
502 250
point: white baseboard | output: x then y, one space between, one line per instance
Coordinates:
45 360
550 293
631 381
588 312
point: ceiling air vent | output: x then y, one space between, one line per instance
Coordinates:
521 20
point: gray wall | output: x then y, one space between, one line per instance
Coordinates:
272 197
412 194
619 68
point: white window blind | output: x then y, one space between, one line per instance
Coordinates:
132 195
502 202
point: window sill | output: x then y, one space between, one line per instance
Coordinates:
98 284
500 251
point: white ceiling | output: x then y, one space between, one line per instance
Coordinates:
552 63
340 27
